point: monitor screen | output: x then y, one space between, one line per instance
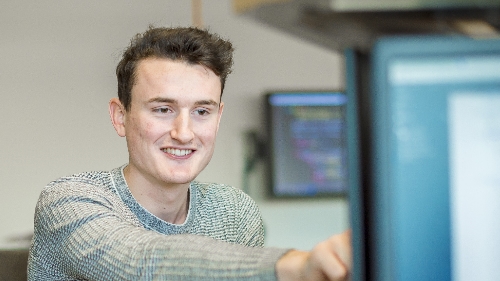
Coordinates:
307 156
433 156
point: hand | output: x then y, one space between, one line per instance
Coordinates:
328 260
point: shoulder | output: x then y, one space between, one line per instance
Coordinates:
215 192
228 210
224 197
88 194
96 178
82 185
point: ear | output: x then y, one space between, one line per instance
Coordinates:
221 109
117 115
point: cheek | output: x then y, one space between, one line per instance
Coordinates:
142 130
151 131
208 133
148 128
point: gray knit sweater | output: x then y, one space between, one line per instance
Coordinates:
89 227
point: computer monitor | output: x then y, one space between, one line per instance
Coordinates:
425 158
306 137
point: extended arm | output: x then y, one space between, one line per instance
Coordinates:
85 235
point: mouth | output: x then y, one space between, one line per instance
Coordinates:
177 152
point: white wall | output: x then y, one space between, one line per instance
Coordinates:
57 61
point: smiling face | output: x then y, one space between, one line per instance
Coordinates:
172 123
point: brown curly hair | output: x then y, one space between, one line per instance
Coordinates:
188 44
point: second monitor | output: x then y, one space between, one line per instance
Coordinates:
307 143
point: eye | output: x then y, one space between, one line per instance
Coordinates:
161 110
202 112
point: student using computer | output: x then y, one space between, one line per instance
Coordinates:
149 219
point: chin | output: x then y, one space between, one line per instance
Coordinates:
180 175
180 180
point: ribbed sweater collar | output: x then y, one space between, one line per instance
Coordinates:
149 220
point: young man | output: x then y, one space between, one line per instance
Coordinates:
148 219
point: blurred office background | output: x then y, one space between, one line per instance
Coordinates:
57 63
57 74
57 66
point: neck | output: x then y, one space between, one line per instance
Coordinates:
168 202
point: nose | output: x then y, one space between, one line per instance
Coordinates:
182 130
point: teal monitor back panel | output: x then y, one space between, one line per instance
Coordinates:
435 158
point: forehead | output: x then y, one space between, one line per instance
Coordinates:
161 76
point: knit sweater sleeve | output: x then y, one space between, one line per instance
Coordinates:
80 235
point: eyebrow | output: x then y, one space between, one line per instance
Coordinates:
207 102
162 100
168 100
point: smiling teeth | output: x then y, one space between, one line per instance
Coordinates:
177 152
